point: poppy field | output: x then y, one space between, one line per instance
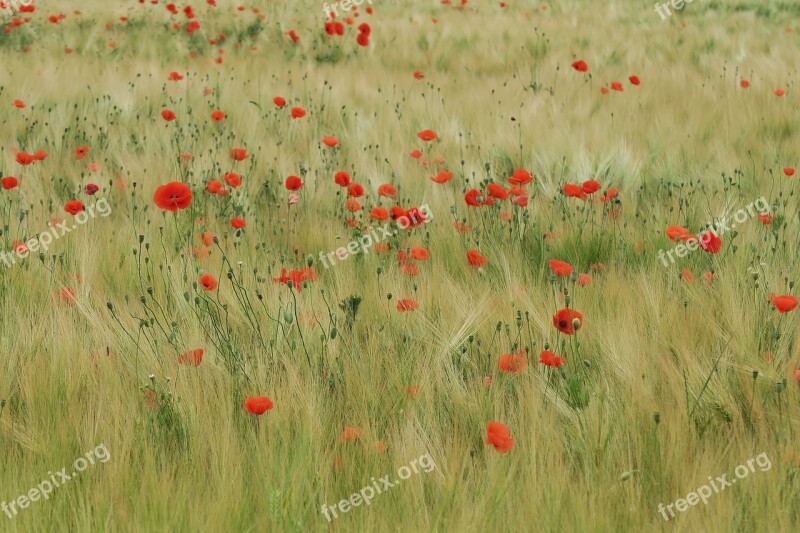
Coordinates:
437 265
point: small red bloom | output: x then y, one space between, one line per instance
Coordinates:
73 207
568 321
258 405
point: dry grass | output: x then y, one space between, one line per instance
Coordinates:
500 94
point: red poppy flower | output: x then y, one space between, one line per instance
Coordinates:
784 303
497 191
567 321
238 223
215 187
279 101
765 218
560 268
676 233
474 198
192 357
330 141
498 435
342 178
24 159
293 36
40 155
590 186
550 359
779 92
364 28
81 151
406 304
19 103
584 280
475 259
73 207
258 405
362 39
580 65
355 190
379 213
298 112
442 177
293 183
419 253
218 115
351 433
352 205
238 154
415 217
617 86
168 115
710 242
208 282
520 177
634 80
513 364
387 190
426 135
91 189
233 179
573 191
416 154
789 171
744 84
418 74
173 196
9 182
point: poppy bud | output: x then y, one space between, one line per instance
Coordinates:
290 284
379 270
499 325
110 306
587 363
567 300
779 386
2 403
754 275
230 274
546 346
152 377
755 374
196 300
310 260
657 417
471 338
389 296
143 299
573 276
287 316
41 257
333 333
519 321
141 239
576 323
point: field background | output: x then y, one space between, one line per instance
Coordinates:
684 146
